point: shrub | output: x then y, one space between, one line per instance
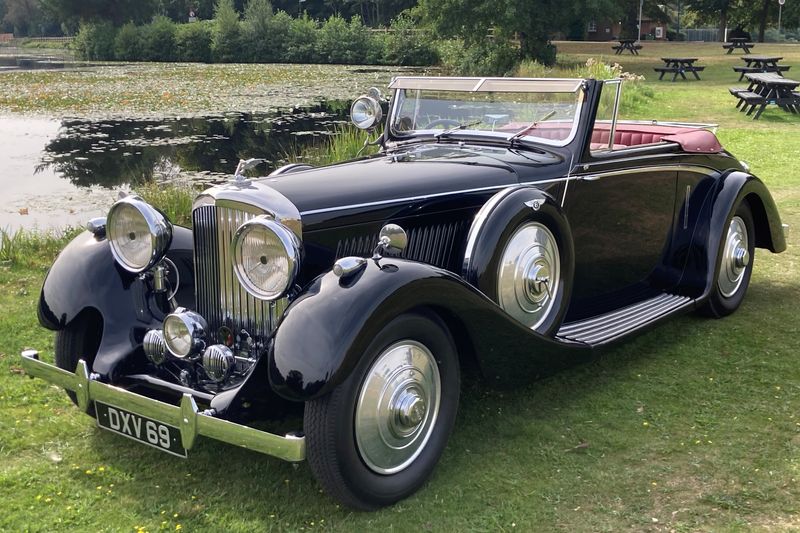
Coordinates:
635 94
340 42
277 40
193 41
487 58
128 44
301 45
256 31
95 41
409 45
772 35
159 40
376 49
675 36
227 33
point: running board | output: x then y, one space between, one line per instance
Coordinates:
605 328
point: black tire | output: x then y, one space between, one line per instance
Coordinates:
330 422
720 304
79 340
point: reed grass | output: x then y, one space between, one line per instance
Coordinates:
344 143
31 247
173 199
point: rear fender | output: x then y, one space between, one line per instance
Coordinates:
326 330
86 276
733 188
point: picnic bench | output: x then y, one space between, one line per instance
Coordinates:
760 64
740 43
767 88
678 66
629 45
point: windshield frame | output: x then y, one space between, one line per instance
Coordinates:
468 85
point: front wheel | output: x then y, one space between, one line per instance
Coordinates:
80 339
376 437
530 286
734 266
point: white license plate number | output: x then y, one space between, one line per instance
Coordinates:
140 428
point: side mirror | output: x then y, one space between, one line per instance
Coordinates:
393 238
366 112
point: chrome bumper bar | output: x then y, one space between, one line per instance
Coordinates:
187 418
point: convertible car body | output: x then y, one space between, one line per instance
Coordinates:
513 224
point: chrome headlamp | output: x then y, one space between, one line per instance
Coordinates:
184 333
266 257
138 233
366 112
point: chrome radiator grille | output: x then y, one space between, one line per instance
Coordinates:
221 299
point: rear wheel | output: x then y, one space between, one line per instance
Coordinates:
376 437
79 340
734 266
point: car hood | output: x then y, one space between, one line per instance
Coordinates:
399 176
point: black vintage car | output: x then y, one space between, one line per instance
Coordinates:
511 224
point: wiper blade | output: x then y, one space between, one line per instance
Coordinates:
530 126
456 128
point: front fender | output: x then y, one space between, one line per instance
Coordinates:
85 276
325 331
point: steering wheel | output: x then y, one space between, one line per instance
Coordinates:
443 122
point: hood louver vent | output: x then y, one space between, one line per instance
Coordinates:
439 245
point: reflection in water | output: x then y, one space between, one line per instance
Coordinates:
129 152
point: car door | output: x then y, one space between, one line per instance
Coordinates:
621 223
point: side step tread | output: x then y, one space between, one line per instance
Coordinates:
605 328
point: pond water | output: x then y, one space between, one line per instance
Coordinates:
63 172
13 58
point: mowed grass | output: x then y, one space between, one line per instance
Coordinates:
694 426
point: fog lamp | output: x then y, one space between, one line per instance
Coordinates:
184 333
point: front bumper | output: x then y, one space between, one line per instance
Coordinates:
187 418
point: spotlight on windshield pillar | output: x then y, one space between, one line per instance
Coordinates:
366 112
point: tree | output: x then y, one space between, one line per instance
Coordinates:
532 22
226 37
715 8
117 12
25 17
258 30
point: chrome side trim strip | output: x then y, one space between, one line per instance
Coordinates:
478 223
654 168
588 177
399 200
187 417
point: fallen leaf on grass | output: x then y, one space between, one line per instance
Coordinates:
581 446
17 370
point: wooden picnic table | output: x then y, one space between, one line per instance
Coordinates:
678 66
738 42
756 64
629 45
767 88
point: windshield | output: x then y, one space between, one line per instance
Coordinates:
544 111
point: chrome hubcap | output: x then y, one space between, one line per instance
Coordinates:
529 276
397 407
735 258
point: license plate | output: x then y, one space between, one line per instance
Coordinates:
140 428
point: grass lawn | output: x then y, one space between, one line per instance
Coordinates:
693 426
